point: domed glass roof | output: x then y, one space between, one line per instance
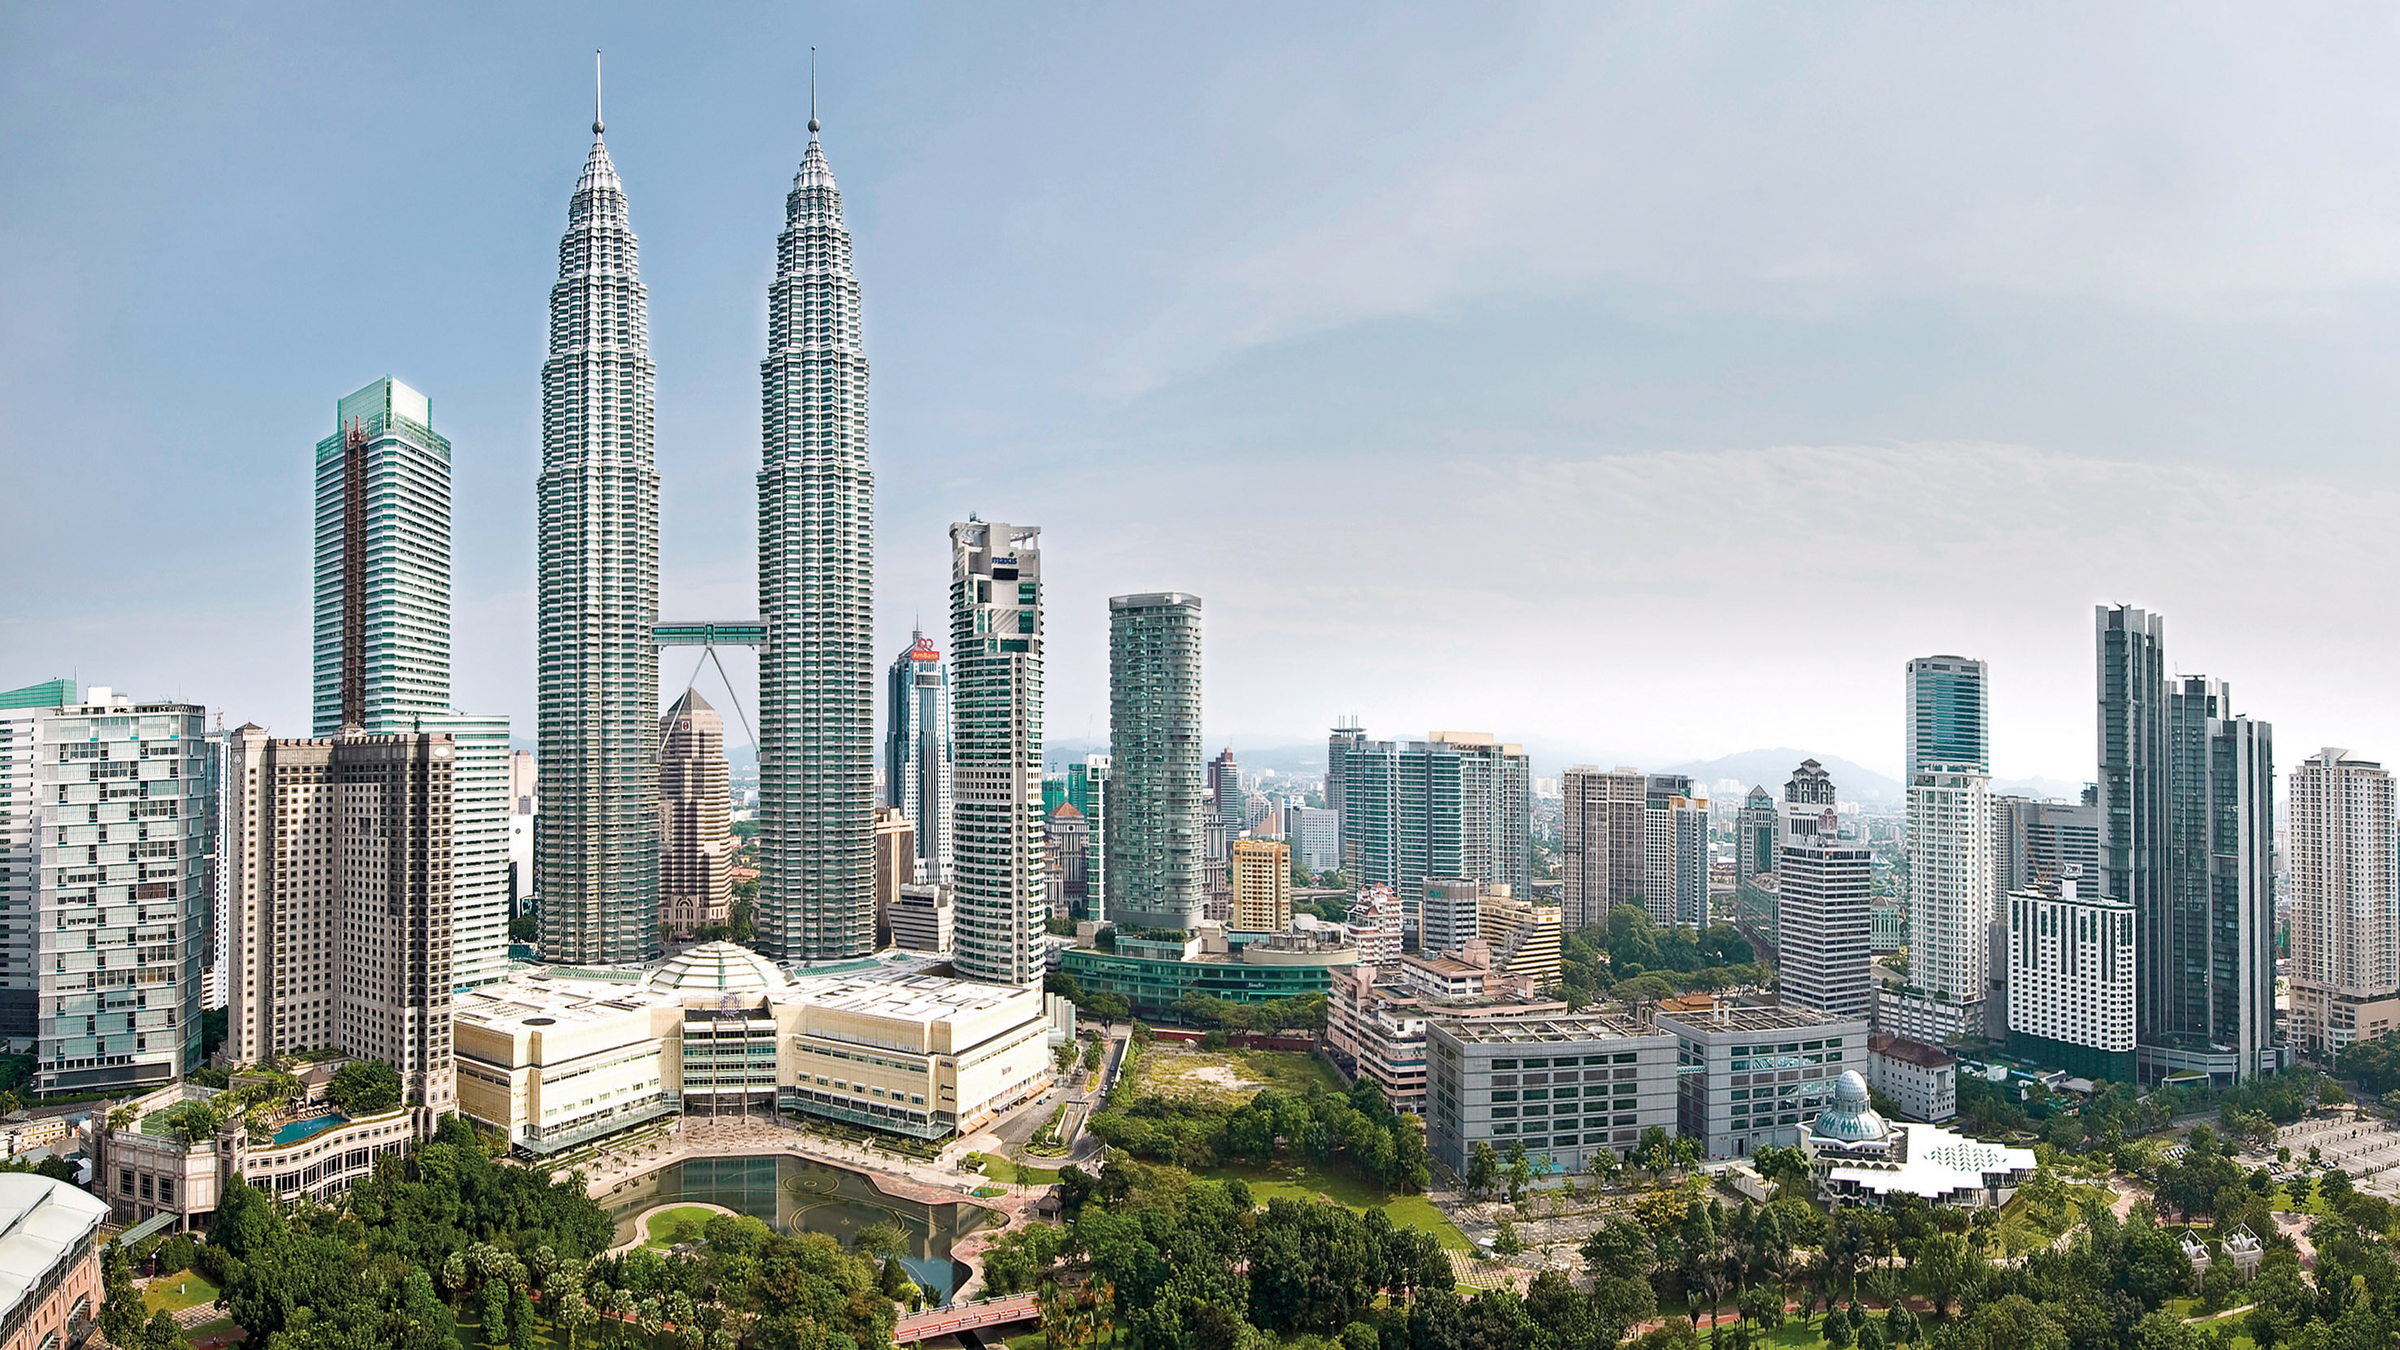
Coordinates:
1850 1119
715 967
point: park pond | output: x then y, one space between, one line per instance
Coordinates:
797 1195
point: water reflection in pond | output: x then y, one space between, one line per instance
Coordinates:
796 1195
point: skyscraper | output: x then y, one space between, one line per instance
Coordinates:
1089 791
695 808
2345 912
21 711
1225 792
1822 921
996 668
1344 735
1950 906
1754 836
816 580
597 692
1155 800
1454 805
1949 713
2185 793
383 560
1603 836
382 640
2034 843
1675 852
916 752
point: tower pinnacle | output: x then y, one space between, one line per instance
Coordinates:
813 125
597 126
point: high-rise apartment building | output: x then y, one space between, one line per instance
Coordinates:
2185 793
382 561
1088 791
21 712
2071 981
1674 852
2345 911
1457 804
1315 835
1262 886
122 891
1949 906
916 752
1156 799
1603 831
1949 713
1374 926
340 902
1824 931
479 840
597 680
816 565
1754 836
996 693
1524 936
695 807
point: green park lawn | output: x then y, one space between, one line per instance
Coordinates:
179 1291
1008 1172
659 1229
1303 1180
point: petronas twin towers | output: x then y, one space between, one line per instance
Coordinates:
598 833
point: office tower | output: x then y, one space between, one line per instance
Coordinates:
2184 794
925 918
1823 926
21 711
340 901
382 561
1156 805
1262 886
1674 851
1603 834
1451 915
695 810
996 693
816 561
895 865
1315 836
1524 936
596 848
1345 734
2345 913
1088 791
122 891
1453 805
382 639
1754 835
1225 792
916 751
1949 905
2071 981
1949 713
2034 843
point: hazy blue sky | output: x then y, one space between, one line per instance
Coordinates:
1640 383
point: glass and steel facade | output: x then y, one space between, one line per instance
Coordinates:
1456 805
816 572
383 497
1949 713
597 693
1157 796
917 752
998 877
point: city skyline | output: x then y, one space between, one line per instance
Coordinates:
1129 377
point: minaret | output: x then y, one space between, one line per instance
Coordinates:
598 682
816 516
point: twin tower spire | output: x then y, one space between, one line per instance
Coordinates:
598 703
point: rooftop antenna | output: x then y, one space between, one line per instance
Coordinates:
597 125
812 93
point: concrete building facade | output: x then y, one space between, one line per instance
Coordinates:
2345 909
996 813
1569 1088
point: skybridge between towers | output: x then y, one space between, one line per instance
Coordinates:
733 633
